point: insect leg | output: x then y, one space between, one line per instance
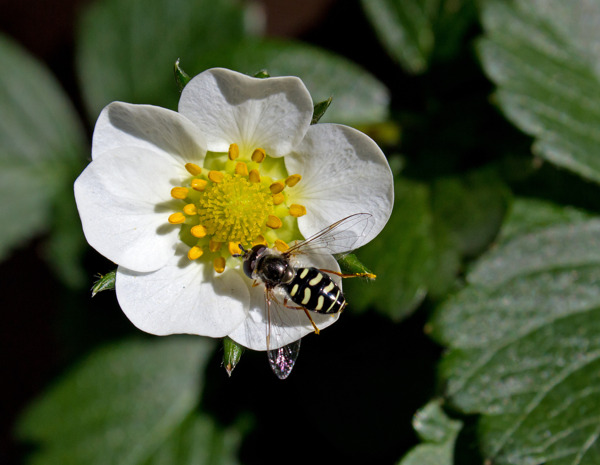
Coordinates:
317 330
350 275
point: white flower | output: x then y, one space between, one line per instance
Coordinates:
169 195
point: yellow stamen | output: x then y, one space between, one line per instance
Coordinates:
234 248
219 264
259 240
179 192
241 169
190 209
274 222
214 246
297 210
177 218
234 151
195 252
254 176
193 169
277 187
280 245
199 184
198 231
292 180
215 176
278 198
258 155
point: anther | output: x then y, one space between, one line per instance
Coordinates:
280 245
198 231
199 184
234 151
277 187
179 192
278 198
195 252
214 246
259 240
274 222
215 176
193 169
292 180
190 209
234 248
254 176
219 264
258 155
177 218
297 210
241 169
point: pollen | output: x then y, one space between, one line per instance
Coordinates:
258 155
179 192
277 187
198 231
234 151
190 209
195 253
241 169
254 176
214 246
280 245
219 264
274 222
177 218
216 176
199 184
234 248
193 169
278 198
297 210
292 180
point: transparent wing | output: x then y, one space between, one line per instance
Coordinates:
340 237
281 357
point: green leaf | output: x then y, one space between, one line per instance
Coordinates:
542 57
181 77
41 142
402 257
412 30
130 403
358 96
438 432
127 47
524 345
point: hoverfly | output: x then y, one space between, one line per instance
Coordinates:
309 288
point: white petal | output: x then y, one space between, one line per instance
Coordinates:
230 107
343 172
183 297
124 201
288 325
152 128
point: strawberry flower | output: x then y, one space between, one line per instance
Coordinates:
169 197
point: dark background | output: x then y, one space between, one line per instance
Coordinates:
339 380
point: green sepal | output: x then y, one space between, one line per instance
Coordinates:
320 109
105 282
350 264
232 353
181 77
262 74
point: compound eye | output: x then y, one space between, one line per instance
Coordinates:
252 259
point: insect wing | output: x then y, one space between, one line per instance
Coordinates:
282 360
339 237
282 324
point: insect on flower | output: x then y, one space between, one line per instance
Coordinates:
311 289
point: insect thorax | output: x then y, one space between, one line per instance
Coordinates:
274 270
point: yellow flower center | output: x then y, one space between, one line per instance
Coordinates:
232 201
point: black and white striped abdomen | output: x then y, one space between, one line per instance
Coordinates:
315 291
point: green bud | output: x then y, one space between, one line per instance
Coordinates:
232 353
104 283
263 73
